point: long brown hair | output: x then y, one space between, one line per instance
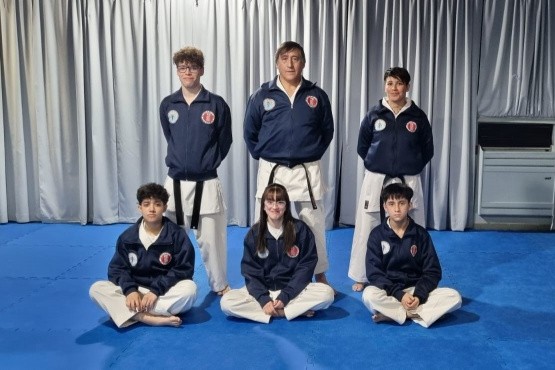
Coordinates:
276 192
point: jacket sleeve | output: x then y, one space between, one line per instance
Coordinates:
251 126
119 270
375 269
426 140
305 267
431 270
365 136
327 123
183 266
225 136
253 271
164 120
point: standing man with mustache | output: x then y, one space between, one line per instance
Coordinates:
288 128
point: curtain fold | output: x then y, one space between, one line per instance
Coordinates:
517 57
81 82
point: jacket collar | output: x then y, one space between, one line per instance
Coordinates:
203 96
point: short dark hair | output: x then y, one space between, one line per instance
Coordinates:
396 191
399 73
189 54
152 190
288 46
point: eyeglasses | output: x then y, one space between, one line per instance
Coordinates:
191 68
273 203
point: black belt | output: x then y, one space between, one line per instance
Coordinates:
386 179
271 181
179 205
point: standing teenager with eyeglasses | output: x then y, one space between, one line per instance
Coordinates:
278 262
197 127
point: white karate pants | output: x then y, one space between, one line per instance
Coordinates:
239 303
110 298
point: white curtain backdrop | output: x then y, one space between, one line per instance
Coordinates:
81 81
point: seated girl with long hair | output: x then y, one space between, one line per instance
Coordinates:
278 263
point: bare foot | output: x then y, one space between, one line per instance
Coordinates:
379 317
309 313
358 287
321 278
154 320
224 290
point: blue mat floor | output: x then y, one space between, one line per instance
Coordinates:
48 321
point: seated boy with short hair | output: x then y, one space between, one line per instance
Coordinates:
402 267
150 275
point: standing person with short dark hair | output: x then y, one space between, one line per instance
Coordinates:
288 128
403 268
278 262
150 275
395 141
197 127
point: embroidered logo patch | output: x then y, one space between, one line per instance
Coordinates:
293 252
208 117
173 116
268 104
165 258
413 250
312 101
411 126
379 124
133 259
263 254
385 247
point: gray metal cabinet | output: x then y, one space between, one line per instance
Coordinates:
516 183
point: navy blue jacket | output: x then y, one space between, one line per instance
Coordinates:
169 260
394 264
395 146
277 270
285 133
198 135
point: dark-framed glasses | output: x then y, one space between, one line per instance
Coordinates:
272 203
192 68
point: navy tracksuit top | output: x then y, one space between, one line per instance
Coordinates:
198 135
395 146
285 133
169 260
276 270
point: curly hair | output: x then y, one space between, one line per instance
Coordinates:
152 190
189 54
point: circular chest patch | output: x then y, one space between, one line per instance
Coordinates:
385 247
268 104
312 101
208 117
173 116
165 258
293 252
133 258
411 126
379 124
263 254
